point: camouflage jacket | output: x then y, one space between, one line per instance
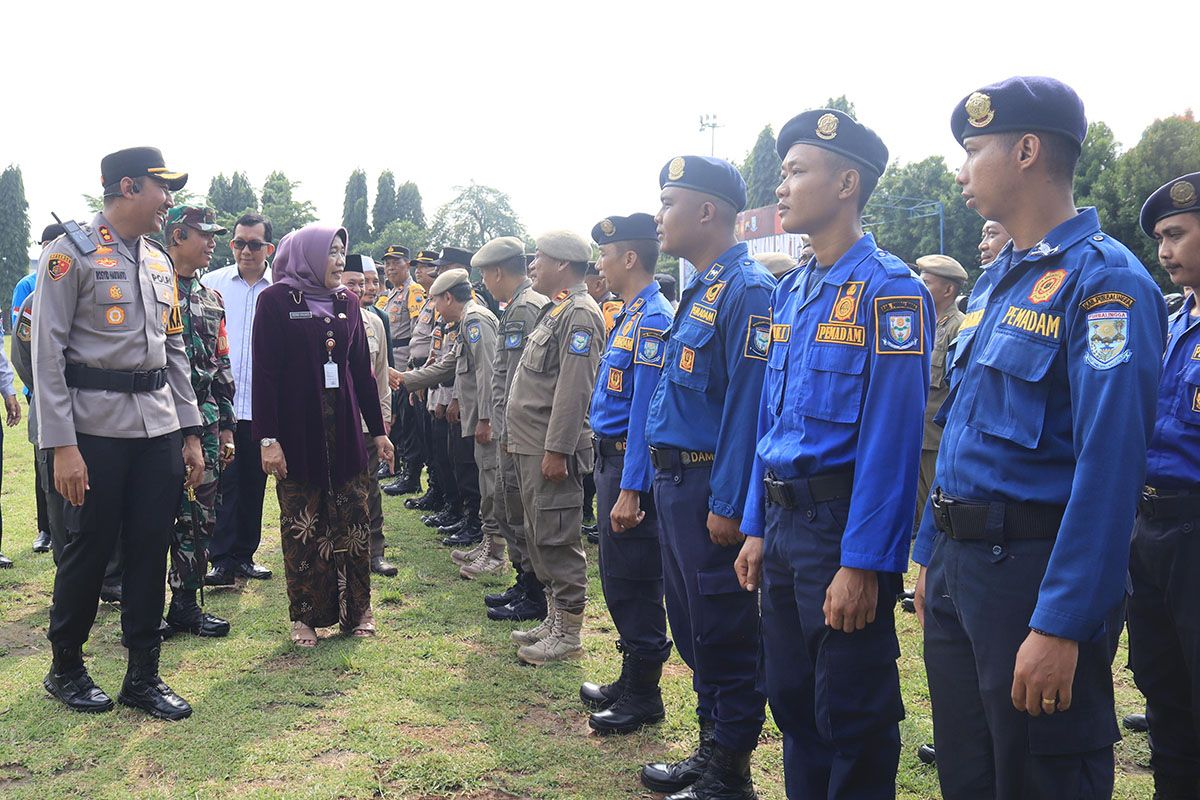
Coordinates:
207 347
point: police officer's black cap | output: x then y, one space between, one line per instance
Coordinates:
1178 196
51 232
529 257
424 258
1024 104
396 251
713 176
625 229
454 255
591 270
837 132
136 162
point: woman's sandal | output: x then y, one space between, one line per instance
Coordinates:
303 635
366 626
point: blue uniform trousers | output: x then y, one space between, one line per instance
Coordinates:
714 621
979 597
835 696
1164 640
631 569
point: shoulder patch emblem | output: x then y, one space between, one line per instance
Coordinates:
1107 339
714 292
1105 298
758 337
1047 286
58 265
616 378
713 272
650 347
222 340
473 331
899 325
381 302
687 359
25 326
845 307
580 342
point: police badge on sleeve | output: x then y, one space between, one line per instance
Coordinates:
1107 339
899 325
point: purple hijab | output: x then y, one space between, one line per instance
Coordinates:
301 263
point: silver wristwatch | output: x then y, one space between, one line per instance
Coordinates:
267 442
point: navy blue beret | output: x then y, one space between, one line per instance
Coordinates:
713 176
839 133
624 229
1178 196
1021 104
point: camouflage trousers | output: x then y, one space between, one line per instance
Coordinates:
195 520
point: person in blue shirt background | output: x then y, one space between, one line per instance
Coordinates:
702 442
829 513
1024 544
630 562
1164 561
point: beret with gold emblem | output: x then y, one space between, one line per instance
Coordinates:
1178 196
1025 104
564 246
625 229
713 176
497 251
837 132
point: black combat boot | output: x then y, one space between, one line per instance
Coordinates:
529 606
508 595
468 534
68 680
1168 787
144 689
427 502
639 704
597 696
186 616
447 516
727 777
408 481
662 777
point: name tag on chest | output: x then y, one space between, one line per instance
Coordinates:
331 375
299 315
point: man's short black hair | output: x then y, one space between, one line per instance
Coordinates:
579 268
1060 153
647 252
867 181
461 292
514 265
251 219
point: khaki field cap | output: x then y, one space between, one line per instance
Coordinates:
942 266
564 246
498 250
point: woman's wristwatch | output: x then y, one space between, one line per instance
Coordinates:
267 442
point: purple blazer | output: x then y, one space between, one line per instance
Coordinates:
289 377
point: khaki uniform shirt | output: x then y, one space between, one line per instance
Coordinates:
473 363
947 329
552 388
373 327
402 307
110 309
516 323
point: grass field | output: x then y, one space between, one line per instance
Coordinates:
436 706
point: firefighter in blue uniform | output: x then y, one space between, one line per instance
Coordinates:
702 445
630 562
829 514
1024 544
1164 561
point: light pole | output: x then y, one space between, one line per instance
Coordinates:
709 121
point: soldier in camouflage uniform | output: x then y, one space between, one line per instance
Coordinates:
191 236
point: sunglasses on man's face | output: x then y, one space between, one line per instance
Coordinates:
242 244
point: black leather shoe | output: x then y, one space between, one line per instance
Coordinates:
165 631
186 616
468 535
926 754
1136 723
443 518
727 777
219 576
381 567
410 484
42 543
145 690
639 704
908 605
384 472
598 696
453 527
5 562
69 682
254 571
591 534
522 609
111 593
507 596
426 502
662 777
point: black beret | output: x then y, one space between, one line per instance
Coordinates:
625 229
135 162
1021 104
591 269
837 132
455 255
51 232
1178 196
705 174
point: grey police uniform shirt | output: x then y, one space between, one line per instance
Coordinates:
516 323
110 310
422 336
439 366
474 353
22 358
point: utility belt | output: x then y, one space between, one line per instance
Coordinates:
1153 505
668 458
417 363
401 342
609 448
965 520
805 492
115 380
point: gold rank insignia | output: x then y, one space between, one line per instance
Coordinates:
1183 194
607 227
675 168
114 292
827 126
979 110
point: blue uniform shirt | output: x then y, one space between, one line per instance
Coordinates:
1173 458
1052 389
847 379
23 289
713 370
628 373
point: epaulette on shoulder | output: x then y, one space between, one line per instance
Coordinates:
1115 254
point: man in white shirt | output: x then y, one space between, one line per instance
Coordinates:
243 483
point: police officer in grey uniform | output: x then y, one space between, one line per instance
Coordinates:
548 432
115 404
425 270
503 265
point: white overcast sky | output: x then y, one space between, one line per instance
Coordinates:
570 107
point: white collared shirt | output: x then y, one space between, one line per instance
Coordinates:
240 299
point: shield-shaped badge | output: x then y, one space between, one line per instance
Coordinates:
1108 339
900 328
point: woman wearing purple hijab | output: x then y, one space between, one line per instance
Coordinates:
312 380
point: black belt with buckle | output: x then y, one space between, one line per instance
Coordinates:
670 458
968 520
800 492
401 342
80 376
1154 505
609 448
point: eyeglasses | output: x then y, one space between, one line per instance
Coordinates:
242 244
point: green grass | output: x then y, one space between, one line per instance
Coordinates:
437 706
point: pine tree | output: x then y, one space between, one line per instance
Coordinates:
385 211
761 171
408 204
14 232
279 206
354 209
